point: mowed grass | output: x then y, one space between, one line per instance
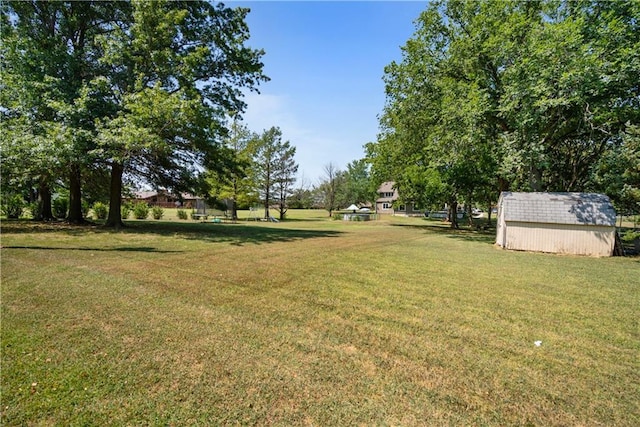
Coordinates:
311 322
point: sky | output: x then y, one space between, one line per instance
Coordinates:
326 61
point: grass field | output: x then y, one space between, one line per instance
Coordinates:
311 322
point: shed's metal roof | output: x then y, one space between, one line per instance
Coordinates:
559 208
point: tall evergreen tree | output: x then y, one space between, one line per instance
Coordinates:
273 169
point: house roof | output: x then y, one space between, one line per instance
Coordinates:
387 187
558 208
144 194
149 194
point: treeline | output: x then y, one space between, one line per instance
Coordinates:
514 95
97 95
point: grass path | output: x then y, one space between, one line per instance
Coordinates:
314 322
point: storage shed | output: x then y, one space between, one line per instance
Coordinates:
568 223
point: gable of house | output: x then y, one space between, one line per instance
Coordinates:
387 192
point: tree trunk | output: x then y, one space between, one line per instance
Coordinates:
115 197
453 214
535 178
234 210
75 196
234 197
44 202
468 209
266 204
282 209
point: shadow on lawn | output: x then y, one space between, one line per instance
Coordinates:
481 236
118 249
234 234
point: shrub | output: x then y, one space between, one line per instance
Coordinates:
141 210
35 208
157 212
100 210
182 214
13 205
60 207
85 208
125 210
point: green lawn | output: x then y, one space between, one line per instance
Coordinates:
311 322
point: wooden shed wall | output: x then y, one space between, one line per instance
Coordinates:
558 238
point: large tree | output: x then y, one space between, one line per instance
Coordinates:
285 178
358 186
142 88
497 95
178 68
230 180
49 61
273 168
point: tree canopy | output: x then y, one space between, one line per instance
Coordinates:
273 169
142 89
503 95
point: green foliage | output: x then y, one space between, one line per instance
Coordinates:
182 214
125 210
13 205
157 212
230 179
508 95
631 236
60 207
34 208
301 198
358 187
85 208
141 87
140 210
273 169
100 210
617 173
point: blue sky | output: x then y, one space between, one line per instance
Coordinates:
326 60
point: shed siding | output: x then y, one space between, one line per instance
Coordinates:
560 238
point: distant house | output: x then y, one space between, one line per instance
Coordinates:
387 196
569 223
163 199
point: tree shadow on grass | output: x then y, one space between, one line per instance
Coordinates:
481 236
234 234
116 249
